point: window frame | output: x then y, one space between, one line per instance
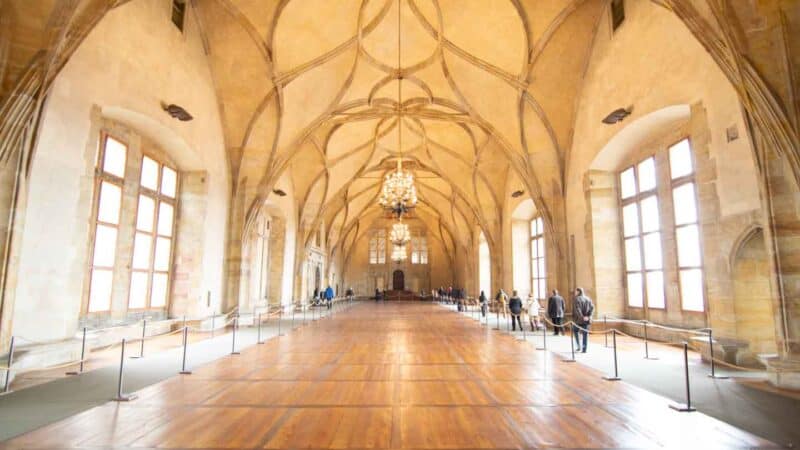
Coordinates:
158 197
419 248
378 237
638 198
674 184
535 277
101 176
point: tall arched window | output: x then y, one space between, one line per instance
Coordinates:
538 271
641 231
484 266
377 247
687 230
419 248
147 207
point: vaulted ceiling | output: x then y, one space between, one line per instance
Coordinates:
309 88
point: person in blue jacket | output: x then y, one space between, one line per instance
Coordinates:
329 296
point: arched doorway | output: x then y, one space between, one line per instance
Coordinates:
398 280
752 294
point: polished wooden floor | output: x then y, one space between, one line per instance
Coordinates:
394 375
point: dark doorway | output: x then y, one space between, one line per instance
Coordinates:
318 280
398 281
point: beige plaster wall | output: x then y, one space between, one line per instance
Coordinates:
130 63
652 62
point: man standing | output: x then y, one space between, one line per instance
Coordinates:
555 310
329 296
582 309
515 306
350 294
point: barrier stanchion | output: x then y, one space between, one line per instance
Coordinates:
687 407
605 328
544 337
571 345
497 314
233 338
646 346
616 367
213 324
524 336
280 317
258 340
141 345
304 313
9 362
713 373
120 396
83 355
293 308
185 345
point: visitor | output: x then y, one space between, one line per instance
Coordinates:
533 312
515 306
484 303
582 309
377 294
329 297
502 302
350 294
555 310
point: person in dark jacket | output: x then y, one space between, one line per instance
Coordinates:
515 306
555 311
582 309
350 294
484 303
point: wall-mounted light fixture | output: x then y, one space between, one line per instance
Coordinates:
279 192
177 112
517 194
618 115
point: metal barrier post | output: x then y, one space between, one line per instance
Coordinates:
120 396
185 344
233 339
605 328
293 308
616 367
688 406
280 316
497 314
572 345
9 362
544 337
646 347
713 373
304 313
213 324
83 355
141 347
524 336
259 341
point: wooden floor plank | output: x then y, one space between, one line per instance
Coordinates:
379 376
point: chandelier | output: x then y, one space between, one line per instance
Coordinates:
399 253
400 234
398 193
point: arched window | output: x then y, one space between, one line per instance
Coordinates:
484 265
641 232
538 271
151 207
419 248
377 247
687 230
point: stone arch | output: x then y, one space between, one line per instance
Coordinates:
752 292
